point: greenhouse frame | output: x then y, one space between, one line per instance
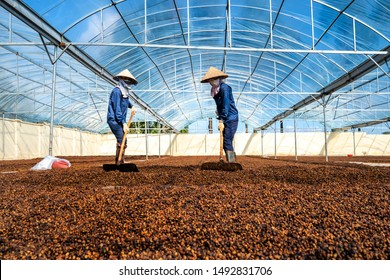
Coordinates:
317 67
305 176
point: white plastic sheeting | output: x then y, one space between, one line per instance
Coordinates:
20 140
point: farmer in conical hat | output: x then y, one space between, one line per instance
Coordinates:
117 108
226 108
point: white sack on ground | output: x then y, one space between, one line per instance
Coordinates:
50 162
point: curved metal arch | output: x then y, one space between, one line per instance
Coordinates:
352 17
290 67
147 54
241 72
331 60
340 12
59 92
265 80
188 100
91 14
42 66
179 58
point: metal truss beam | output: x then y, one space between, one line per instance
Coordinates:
207 48
364 124
283 94
43 28
356 73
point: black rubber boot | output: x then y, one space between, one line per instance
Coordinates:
230 156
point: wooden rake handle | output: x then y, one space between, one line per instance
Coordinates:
220 145
124 138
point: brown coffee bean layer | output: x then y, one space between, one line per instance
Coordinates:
171 209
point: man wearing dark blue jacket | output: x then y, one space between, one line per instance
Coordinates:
226 109
117 108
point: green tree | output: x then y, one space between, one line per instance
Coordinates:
153 127
184 130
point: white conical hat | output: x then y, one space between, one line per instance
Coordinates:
126 74
213 73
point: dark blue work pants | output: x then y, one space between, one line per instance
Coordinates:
228 134
117 129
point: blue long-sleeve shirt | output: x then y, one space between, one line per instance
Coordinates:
226 106
117 107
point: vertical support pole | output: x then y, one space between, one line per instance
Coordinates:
146 138
44 78
101 26
295 137
174 70
159 140
275 142
205 144
81 143
188 23
10 28
70 84
15 123
170 143
326 140
3 124
17 84
275 86
53 95
200 70
262 143
74 142
39 131
354 33
354 143
270 24
377 80
229 26
225 63
250 72
312 24
145 22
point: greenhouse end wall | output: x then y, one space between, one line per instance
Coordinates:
22 140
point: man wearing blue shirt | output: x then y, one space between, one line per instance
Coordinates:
226 109
117 108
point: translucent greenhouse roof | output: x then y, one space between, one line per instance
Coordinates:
317 60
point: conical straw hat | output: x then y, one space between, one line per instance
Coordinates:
213 73
126 74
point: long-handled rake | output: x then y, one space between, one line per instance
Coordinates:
221 165
124 167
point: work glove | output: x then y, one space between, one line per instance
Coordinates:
221 126
125 128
